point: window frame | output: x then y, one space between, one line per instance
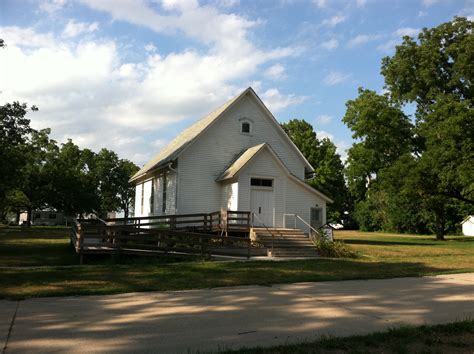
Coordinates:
260 184
246 121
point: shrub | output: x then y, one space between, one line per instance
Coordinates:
332 249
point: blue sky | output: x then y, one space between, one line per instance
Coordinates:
130 75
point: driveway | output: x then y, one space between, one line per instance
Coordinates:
229 318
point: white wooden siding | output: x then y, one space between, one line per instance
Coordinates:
230 193
468 226
138 198
300 201
264 166
158 182
206 158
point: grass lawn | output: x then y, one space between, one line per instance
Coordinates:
455 337
381 256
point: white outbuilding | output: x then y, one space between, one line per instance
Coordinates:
468 226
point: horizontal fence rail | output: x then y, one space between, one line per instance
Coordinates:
190 233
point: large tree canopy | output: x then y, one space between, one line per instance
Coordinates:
383 133
36 173
426 169
436 73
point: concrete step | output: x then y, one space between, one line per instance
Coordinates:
290 244
289 239
276 230
294 254
286 242
281 235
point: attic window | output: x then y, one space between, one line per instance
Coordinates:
245 128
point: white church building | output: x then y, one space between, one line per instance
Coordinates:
236 158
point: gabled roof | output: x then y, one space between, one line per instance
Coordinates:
172 151
242 159
247 155
469 218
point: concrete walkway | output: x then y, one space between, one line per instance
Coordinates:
224 318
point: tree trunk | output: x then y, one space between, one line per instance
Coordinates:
17 218
440 223
29 213
125 212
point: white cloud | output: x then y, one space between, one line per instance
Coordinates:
275 72
389 46
324 134
150 47
320 3
362 39
334 20
428 3
26 37
87 91
226 3
158 143
324 119
51 6
275 101
179 4
407 31
341 145
361 3
330 44
74 28
335 77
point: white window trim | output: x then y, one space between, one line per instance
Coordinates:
250 123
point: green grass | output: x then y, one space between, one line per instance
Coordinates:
381 256
35 247
457 337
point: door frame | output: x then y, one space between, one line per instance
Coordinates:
272 189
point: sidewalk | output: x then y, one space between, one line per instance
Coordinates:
175 321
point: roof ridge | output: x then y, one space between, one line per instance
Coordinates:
187 136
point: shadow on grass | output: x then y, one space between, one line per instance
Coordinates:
112 279
395 243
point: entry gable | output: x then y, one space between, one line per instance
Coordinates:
244 158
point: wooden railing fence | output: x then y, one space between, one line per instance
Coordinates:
190 234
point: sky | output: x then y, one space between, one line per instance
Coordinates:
129 75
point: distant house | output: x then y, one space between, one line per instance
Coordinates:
236 158
46 217
468 226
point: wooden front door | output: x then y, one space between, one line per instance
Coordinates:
262 205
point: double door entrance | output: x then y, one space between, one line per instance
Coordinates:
262 201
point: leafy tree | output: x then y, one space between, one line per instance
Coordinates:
111 176
104 171
73 187
383 133
36 182
436 74
125 191
328 168
15 132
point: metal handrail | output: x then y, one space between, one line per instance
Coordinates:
304 222
273 236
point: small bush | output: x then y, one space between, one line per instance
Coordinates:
333 249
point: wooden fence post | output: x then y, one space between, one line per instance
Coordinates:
248 248
173 222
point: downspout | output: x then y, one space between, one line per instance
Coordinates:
176 187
